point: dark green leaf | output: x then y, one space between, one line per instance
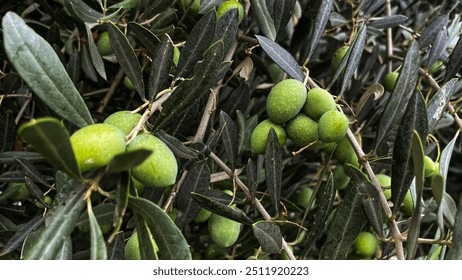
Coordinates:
251 178
159 71
73 67
206 5
197 180
98 246
402 92
171 242
438 47
282 11
273 169
374 214
281 57
229 137
455 61
222 197
83 12
317 29
388 21
177 147
263 18
103 213
269 236
221 209
246 127
206 74
347 222
127 58
35 191
437 185
127 160
437 105
126 4
24 230
8 157
7 132
39 66
226 28
94 53
402 169
122 193
29 170
373 5
446 155
158 6
145 241
196 44
430 32
58 230
66 188
51 139
65 252
115 248
455 251
144 36
6 224
87 65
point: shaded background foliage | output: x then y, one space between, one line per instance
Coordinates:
211 99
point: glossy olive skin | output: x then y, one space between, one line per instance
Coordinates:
224 232
302 130
285 100
104 44
389 81
95 145
259 137
123 120
160 168
332 126
318 102
337 58
228 5
365 244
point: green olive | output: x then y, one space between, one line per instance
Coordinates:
96 144
223 231
332 126
389 81
132 248
176 55
128 83
303 196
344 151
104 44
339 54
48 201
160 168
384 180
285 100
318 102
435 67
365 244
228 5
259 137
341 179
302 130
275 72
430 167
123 120
202 216
21 193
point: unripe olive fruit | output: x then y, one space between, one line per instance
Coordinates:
365 244
192 6
228 5
302 130
132 248
202 216
48 200
341 179
104 44
344 151
259 137
224 232
332 126
285 100
128 83
176 55
21 193
96 144
275 72
430 167
408 205
337 58
384 180
160 168
389 81
123 120
318 102
435 66
303 196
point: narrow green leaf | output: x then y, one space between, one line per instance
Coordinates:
6 224
273 169
122 193
177 147
439 102
437 185
197 180
158 6
159 71
418 166
196 44
147 245
51 139
98 246
40 67
402 170
58 230
251 172
455 251
103 213
95 56
246 127
221 209
87 65
126 4
437 48
320 23
226 28
127 160
388 21
282 11
269 236
7 131
263 18
65 252
281 57
402 92
31 171
229 137
35 190
430 32
127 58
144 36
83 12
454 62
115 248
8 157
16 241
171 242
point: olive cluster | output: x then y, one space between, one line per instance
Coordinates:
308 118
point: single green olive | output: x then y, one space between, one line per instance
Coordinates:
176 55
160 168
302 130
123 120
339 54
104 44
435 67
318 102
96 144
128 83
365 244
224 232
259 137
389 80
304 195
332 126
384 180
48 201
341 179
202 216
430 167
228 5
285 100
